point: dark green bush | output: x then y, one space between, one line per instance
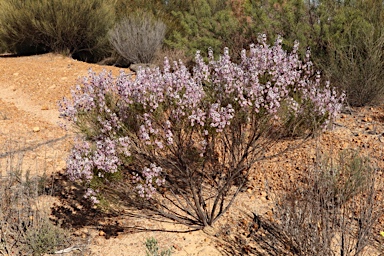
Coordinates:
124 8
351 52
357 68
3 48
77 28
204 24
237 23
289 19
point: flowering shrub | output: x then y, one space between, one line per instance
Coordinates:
195 134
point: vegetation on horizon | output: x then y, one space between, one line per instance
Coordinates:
345 38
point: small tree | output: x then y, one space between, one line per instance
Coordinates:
138 37
332 209
189 139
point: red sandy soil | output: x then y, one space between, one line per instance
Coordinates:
30 88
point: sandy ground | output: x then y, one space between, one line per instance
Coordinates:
30 88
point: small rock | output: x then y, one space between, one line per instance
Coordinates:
44 108
52 87
243 222
101 233
36 129
64 78
77 233
207 240
369 128
177 247
15 74
269 213
263 194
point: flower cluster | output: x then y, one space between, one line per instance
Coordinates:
220 116
80 162
91 195
152 114
151 180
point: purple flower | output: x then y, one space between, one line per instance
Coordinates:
164 113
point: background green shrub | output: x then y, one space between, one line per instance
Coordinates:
77 28
288 19
204 24
350 52
357 68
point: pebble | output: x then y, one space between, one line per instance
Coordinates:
36 129
207 240
101 233
177 247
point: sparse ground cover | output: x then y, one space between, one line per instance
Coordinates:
31 87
